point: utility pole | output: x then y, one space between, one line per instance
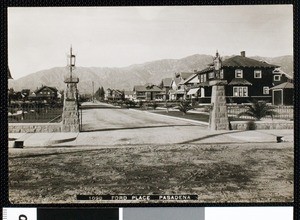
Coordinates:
93 96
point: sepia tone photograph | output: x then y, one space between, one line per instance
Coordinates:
152 104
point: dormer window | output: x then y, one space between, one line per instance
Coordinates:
238 73
257 74
277 78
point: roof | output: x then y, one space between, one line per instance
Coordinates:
43 87
193 91
239 81
167 82
240 62
279 71
128 92
207 69
176 80
285 85
146 88
171 91
190 78
183 75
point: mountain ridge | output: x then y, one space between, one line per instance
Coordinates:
126 77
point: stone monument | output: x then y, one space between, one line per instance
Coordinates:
218 119
70 116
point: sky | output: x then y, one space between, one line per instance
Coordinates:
40 38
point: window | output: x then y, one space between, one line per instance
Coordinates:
266 90
238 73
203 78
277 78
257 74
240 91
211 75
221 74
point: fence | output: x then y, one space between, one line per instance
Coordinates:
34 113
284 112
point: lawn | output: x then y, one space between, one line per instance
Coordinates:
260 172
37 116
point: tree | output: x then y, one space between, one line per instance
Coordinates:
185 106
102 93
259 110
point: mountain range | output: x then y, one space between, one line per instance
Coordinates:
126 77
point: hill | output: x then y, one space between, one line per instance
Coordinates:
126 77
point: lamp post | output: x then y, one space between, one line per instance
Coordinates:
72 62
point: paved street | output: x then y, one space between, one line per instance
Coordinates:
106 117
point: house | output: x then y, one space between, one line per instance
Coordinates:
166 85
247 78
191 87
129 95
147 92
108 94
283 94
45 93
178 86
113 94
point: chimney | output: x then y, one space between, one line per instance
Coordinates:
243 53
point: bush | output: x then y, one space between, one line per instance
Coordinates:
185 106
251 125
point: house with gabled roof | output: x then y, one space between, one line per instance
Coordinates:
178 89
247 79
147 92
166 85
45 93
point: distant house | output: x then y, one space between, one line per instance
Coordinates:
247 79
45 93
191 87
283 94
147 92
178 86
108 94
166 85
113 94
129 95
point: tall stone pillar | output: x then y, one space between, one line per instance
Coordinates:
70 116
218 119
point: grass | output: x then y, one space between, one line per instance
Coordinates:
42 116
216 173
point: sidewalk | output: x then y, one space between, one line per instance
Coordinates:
156 136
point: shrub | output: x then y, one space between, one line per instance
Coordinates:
259 110
185 106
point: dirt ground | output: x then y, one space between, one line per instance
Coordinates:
258 172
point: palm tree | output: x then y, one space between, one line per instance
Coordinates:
184 107
259 110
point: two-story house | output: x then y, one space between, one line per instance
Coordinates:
178 90
247 79
45 93
147 92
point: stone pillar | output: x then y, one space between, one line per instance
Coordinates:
218 119
70 116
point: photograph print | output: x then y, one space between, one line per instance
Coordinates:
152 104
